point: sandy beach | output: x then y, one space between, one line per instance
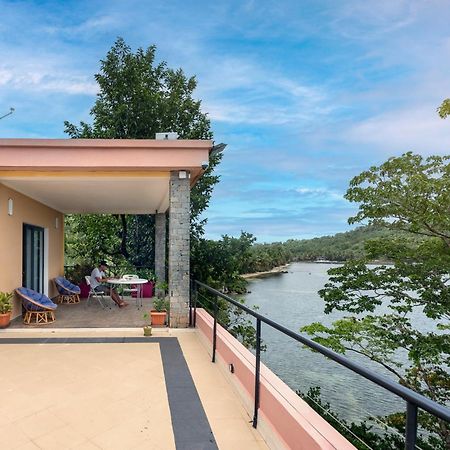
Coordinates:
268 273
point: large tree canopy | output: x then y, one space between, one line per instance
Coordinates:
137 98
411 195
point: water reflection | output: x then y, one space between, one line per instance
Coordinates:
292 300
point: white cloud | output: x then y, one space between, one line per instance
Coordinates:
413 128
30 77
92 25
320 192
240 91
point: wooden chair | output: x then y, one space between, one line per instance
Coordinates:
68 292
39 309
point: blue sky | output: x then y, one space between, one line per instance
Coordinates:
306 94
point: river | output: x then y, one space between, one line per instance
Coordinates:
292 300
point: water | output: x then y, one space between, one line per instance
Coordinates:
292 300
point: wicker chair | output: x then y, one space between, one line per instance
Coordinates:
39 309
68 292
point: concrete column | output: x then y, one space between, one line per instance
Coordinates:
179 250
160 249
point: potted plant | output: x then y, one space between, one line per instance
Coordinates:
161 289
159 311
148 327
5 308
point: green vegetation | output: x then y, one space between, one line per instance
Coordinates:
340 247
5 302
409 194
444 109
361 433
137 98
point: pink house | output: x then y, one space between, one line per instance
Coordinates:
43 179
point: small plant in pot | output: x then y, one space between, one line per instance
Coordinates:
161 289
148 327
5 308
159 311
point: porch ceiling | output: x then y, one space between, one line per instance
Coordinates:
98 194
99 175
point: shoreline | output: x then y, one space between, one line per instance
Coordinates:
275 271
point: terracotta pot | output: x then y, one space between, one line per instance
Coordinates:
158 318
5 319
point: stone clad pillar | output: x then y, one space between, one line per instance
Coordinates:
179 250
160 249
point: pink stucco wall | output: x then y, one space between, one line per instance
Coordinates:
291 419
104 154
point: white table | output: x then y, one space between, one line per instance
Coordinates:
136 281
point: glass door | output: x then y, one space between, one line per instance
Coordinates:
33 258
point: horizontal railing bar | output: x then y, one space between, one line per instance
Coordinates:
402 391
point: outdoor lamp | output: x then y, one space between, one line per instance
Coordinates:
10 206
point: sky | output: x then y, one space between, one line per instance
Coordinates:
306 94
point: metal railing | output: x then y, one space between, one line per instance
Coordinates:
412 398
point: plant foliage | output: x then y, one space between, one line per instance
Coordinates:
409 194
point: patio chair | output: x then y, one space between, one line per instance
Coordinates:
95 294
39 309
68 292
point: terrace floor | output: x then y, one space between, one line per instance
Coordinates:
113 389
92 315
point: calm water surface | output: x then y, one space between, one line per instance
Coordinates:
292 300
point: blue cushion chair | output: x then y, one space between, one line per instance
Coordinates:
39 309
68 292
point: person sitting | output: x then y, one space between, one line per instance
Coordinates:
98 277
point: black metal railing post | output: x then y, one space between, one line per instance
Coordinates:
257 372
411 426
191 294
195 304
215 330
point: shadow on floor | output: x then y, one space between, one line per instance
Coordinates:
81 315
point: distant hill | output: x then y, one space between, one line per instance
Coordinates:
340 247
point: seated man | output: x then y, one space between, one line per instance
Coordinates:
98 277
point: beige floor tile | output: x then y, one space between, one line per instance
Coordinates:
39 424
111 395
232 430
87 445
28 446
62 438
133 432
12 437
225 408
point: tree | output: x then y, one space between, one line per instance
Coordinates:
137 98
444 109
411 195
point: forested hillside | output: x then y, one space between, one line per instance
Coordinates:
340 247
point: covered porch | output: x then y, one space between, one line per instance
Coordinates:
41 180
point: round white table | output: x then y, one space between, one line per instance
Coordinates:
135 281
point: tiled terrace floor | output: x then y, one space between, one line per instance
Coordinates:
116 395
94 316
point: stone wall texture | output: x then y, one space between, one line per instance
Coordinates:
179 250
